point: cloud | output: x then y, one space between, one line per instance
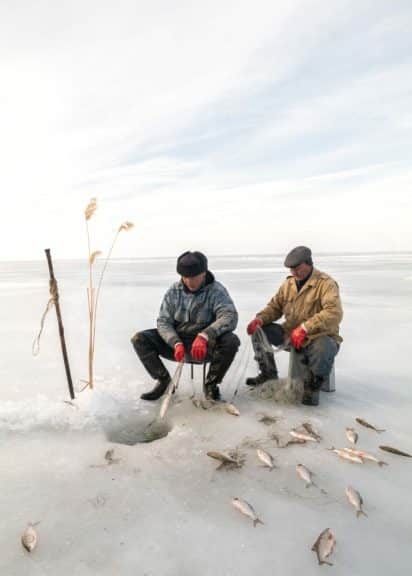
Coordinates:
225 122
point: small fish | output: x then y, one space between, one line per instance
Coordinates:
246 509
266 458
367 425
356 500
324 546
231 409
267 419
365 456
294 441
395 451
196 402
352 435
346 455
225 458
303 436
275 437
29 538
109 457
309 428
307 476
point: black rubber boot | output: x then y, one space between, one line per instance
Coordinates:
310 398
212 392
261 378
157 391
311 390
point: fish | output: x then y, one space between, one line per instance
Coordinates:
309 428
266 458
324 546
196 402
231 409
365 456
224 458
275 437
267 419
294 441
246 509
352 435
356 500
367 425
347 455
303 436
109 457
395 451
307 476
29 538
233 459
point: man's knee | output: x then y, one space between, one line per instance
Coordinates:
141 339
274 333
322 354
324 346
228 342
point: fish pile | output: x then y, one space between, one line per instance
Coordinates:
305 434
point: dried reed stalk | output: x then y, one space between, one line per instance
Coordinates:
92 294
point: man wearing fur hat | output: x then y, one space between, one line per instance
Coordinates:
196 322
310 303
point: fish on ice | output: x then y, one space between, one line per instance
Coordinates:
363 422
342 453
365 456
395 451
29 538
246 509
356 500
324 546
266 458
352 435
307 477
303 436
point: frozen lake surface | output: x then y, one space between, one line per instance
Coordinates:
162 508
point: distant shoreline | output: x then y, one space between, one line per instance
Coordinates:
215 256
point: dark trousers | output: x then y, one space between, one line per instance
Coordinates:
149 346
318 355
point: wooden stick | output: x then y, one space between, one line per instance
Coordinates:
53 285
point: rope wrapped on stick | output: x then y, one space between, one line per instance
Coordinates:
54 295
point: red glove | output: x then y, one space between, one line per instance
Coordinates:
297 337
179 352
199 348
254 325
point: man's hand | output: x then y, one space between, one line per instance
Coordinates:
199 348
179 352
254 325
297 337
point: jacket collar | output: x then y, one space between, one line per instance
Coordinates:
311 281
209 279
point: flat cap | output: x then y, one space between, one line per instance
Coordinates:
297 256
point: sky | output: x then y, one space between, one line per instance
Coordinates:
225 126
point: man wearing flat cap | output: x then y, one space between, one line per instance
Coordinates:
196 322
310 303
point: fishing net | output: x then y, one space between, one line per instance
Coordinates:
282 391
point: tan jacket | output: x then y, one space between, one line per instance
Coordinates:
317 305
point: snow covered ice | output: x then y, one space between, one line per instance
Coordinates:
162 508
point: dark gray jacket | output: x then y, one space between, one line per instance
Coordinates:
183 314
